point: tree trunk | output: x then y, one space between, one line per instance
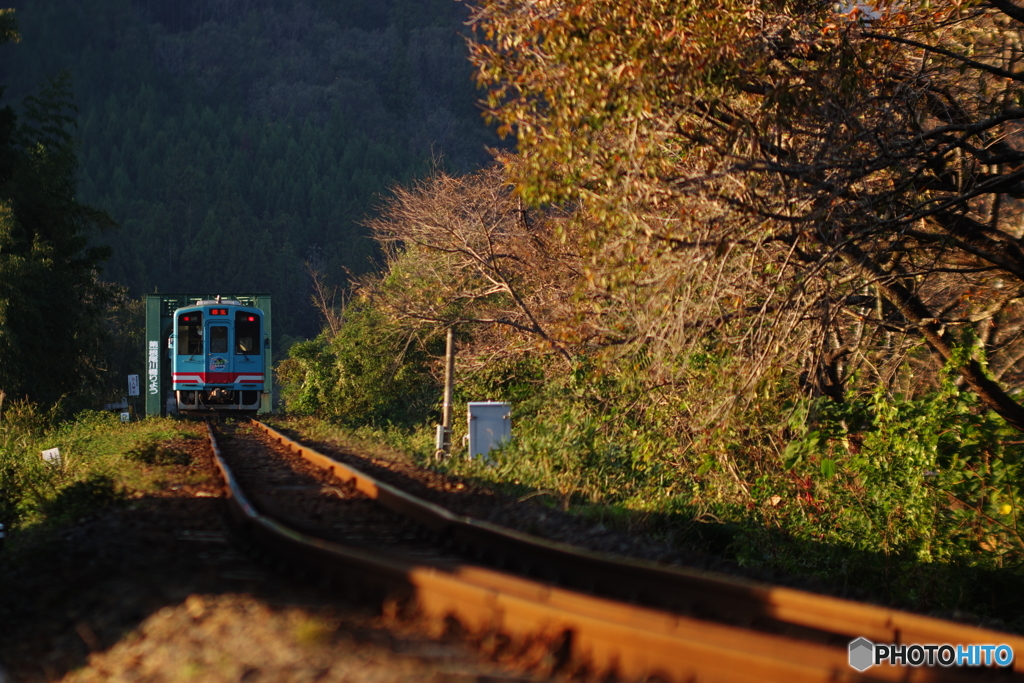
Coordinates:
992 395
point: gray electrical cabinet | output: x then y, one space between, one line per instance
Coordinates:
490 425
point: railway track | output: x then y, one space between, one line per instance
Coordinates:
608 618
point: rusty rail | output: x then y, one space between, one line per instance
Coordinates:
597 635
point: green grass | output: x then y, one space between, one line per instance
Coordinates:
103 462
383 443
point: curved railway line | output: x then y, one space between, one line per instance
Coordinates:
606 618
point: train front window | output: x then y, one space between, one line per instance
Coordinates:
190 334
247 333
218 339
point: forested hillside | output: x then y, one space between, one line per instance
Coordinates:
235 141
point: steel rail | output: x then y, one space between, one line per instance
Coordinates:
728 599
587 635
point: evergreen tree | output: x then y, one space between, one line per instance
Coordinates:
51 302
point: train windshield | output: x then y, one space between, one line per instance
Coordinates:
218 339
247 332
190 334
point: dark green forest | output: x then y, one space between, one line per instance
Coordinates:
236 141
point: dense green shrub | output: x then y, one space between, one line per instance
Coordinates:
370 373
934 478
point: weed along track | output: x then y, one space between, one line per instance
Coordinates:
480 580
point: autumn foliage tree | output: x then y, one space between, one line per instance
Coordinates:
819 190
467 251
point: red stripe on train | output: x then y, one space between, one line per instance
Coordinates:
217 378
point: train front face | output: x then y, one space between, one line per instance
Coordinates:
217 351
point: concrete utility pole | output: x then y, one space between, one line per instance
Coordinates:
444 445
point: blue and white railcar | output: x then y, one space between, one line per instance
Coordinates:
217 349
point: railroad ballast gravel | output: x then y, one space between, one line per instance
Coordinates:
154 590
